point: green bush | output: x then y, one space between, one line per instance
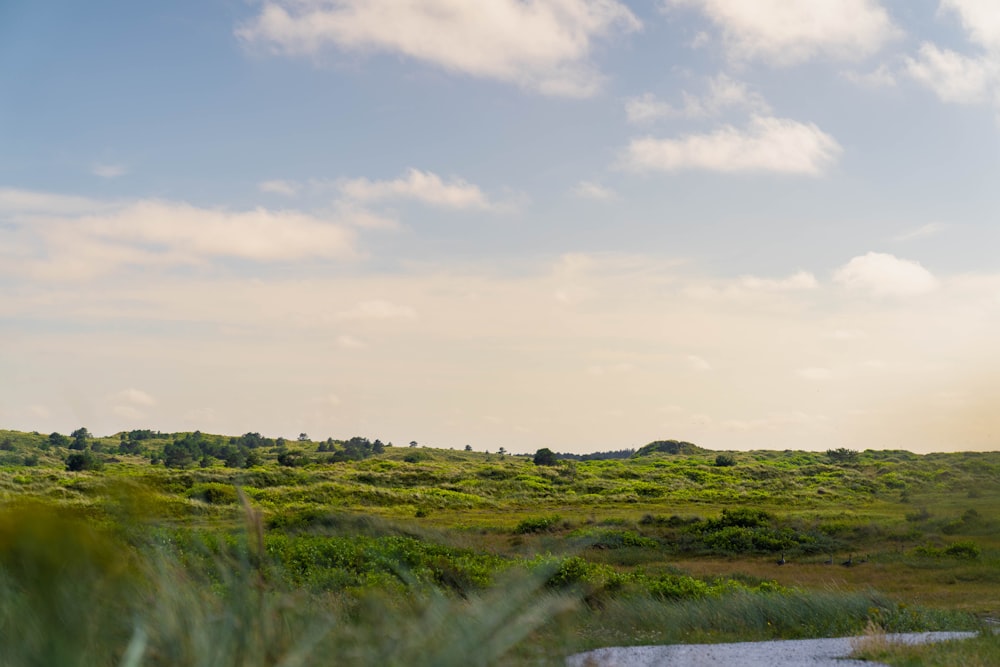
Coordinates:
214 493
542 524
967 550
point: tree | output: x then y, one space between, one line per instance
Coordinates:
85 460
842 455
413 443
501 451
58 440
80 437
468 448
545 457
303 437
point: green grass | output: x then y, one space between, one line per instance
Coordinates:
422 556
982 650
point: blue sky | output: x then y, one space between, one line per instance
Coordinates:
581 224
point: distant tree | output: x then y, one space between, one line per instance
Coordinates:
84 460
468 448
80 437
291 459
842 455
251 440
378 447
413 443
7 445
253 459
303 437
545 457
501 451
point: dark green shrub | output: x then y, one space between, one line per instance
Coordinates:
966 550
79 461
725 460
543 524
214 493
545 457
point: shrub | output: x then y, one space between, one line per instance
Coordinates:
541 524
214 493
545 457
842 455
966 550
725 460
79 461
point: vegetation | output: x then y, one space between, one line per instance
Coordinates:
192 548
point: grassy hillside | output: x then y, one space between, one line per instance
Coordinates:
289 550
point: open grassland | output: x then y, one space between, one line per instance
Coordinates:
190 549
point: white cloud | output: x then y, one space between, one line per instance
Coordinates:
16 201
594 191
128 412
187 231
543 45
785 33
135 397
349 213
378 309
279 187
723 93
647 108
68 237
108 170
803 280
885 275
952 76
880 77
423 186
697 363
769 144
980 19
922 232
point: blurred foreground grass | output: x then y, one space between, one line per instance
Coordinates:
77 589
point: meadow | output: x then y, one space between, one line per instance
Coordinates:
145 548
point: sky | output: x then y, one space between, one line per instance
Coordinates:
576 224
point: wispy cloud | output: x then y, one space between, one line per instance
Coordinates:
768 145
542 46
922 232
108 171
279 187
785 33
954 77
723 94
68 237
803 280
882 274
593 191
423 186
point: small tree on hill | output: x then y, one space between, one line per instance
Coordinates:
842 455
85 460
545 457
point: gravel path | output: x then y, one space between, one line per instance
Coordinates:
785 653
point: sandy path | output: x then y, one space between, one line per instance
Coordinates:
785 653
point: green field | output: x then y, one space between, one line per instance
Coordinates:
190 549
